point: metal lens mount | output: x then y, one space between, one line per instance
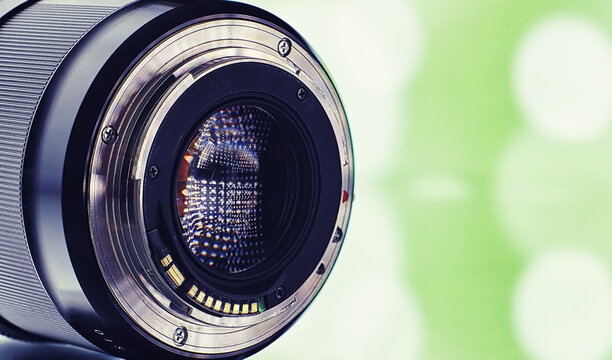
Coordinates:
209 64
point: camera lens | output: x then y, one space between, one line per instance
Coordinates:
176 176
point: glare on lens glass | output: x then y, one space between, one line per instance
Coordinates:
219 193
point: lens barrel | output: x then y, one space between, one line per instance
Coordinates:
176 177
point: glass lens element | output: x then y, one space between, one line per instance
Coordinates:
219 189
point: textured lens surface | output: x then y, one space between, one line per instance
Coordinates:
219 190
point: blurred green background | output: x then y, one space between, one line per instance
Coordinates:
481 226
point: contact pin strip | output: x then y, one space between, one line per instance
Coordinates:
209 302
220 306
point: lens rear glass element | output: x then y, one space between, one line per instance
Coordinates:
221 186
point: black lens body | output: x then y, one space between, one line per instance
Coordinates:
62 271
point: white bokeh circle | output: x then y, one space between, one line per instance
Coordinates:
563 78
562 307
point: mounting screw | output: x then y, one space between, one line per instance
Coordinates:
180 336
284 47
301 94
280 292
109 135
153 172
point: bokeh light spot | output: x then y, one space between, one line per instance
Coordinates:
563 78
562 307
439 188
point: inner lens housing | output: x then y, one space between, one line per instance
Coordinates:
240 123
